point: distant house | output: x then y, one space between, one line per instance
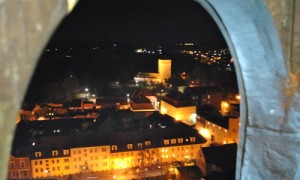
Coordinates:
178 106
26 112
88 105
216 128
119 103
75 104
122 141
231 108
146 93
147 77
205 95
164 72
141 103
143 100
19 165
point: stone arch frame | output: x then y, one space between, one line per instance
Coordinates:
266 94
264 116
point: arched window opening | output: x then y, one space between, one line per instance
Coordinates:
163 98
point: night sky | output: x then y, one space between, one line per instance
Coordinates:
164 21
142 22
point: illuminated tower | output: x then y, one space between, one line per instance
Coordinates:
164 69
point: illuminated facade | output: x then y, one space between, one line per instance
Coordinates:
176 105
160 140
231 108
164 72
47 163
94 158
19 168
221 131
164 69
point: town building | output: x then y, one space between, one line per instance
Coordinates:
205 95
178 106
19 167
119 103
155 140
164 72
217 129
143 100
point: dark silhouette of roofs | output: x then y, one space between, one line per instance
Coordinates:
223 156
203 89
142 92
211 114
177 99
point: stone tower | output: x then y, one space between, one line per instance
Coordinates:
164 69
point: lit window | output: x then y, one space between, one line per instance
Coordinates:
54 153
11 164
22 164
103 149
173 141
192 139
66 152
166 142
129 146
140 145
180 140
38 154
148 143
114 147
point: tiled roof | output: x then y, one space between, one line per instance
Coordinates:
204 89
177 99
121 130
212 115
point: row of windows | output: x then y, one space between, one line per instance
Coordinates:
130 146
121 154
95 150
91 158
179 140
178 149
54 153
115 147
53 161
12 164
52 169
17 174
91 165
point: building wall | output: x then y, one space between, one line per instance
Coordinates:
19 168
219 135
233 131
103 158
90 159
184 114
52 166
164 69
